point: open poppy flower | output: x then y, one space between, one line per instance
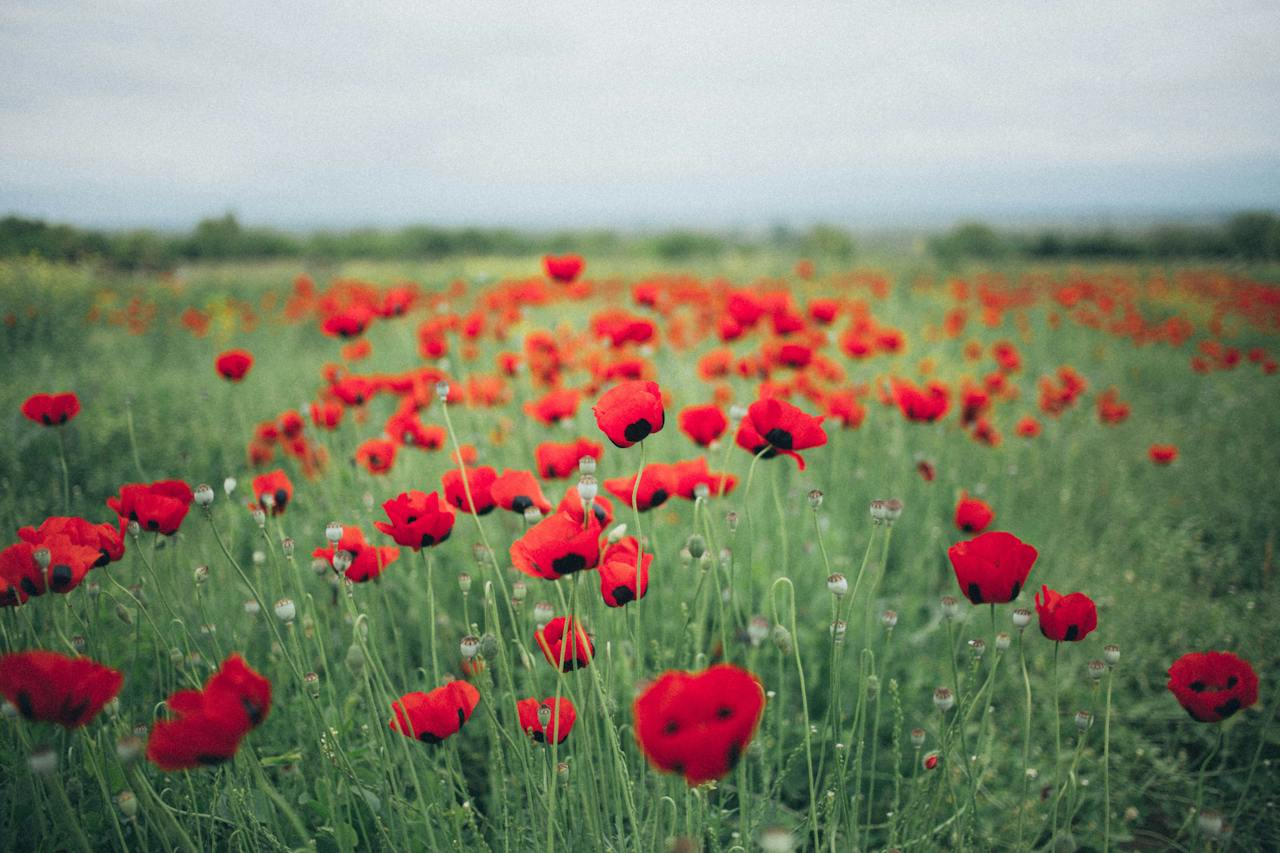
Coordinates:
276 485
922 405
563 268
1212 686
754 443
619 582
68 563
347 323
418 520
556 461
54 688
703 424
233 365
367 561
1067 618
698 725
1162 454
517 491
432 717
629 412
785 426
973 515
557 546
693 473
377 455
571 503
20 575
160 506
210 723
564 637
556 405
327 414
51 409
479 481
406 428
561 716
992 568
106 537
656 485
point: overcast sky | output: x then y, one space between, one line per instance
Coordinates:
648 113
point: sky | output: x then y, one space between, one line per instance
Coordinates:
710 114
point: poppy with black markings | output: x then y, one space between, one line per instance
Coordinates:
1067 618
367 561
108 538
479 482
54 688
630 412
556 461
432 717
992 568
973 515
658 483
563 268
694 472
560 714
233 365
275 484
160 506
698 725
786 427
417 520
571 503
377 455
620 583
1212 686
51 409
558 545
565 644
517 491
210 723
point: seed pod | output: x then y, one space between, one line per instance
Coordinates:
333 532
544 715
943 699
200 574
532 515
917 737
588 488
204 495
1096 668
129 748
731 521
1111 654
837 585
892 510
1021 617
285 610
977 648
43 762
229 485
587 465
260 518
78 642
616 534
1083 721
889 619
286 547
470 647
815 498
1002 641
950 607
127 803
252 607
543 613
312 682
442 391
464 582
757 630
519 591
342 561
838 630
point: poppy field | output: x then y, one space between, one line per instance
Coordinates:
564 553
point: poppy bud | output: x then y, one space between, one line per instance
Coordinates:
342 561
696 546
943 699
464 582
1111 654
127 803
1002 641
838 630
470 647
287 546
124 614
285 611
930 761
78 643
260 517
519 591
1021 617
731 521
442 391
229 485
757 630
204 495
873 687
950 607
889 619
542 613
815 498
782 639
837 585
917 738
588 487
616 534
1083 720
488 646
587 465
134 529
312 682
977 648
1095 668
43 762
128 748
355 659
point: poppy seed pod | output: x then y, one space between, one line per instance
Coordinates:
470 647
544 715
838 630
616 534
519 591
260 517
342 561
78 642
776 839
701 491
1211 823
950 607
736 413
892 510
127 803
588 487
889 619
838 585
1002 641
532 515
312 682
943 699
878 511
542 613
204 495
287 546
1111 654
757 630
464 582
252 607
285 610
1083 721
977 648
43 762
1021 617
229 485
917 737
731 521
42 558
135 529
815 498
333 532
1096 668
442 391
320 565
129 748
587 465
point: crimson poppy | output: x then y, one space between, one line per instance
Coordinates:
575 649
479 482
619 581
1028 427
406 428
563 268
657 483
694 472
703 424
210 723
1065 617
554 406
233 365
993 567
291 424
517 491
1162 454
51 409
160 506
556 461
276 485
921 405
432 717
557 546
561 716
1212 686
630 411
347 323
750 440
367 561
784 426
698 725
973 515
54 688
107 538
571 503
327 414
418 520
377 455
20 575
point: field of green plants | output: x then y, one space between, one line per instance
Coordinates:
274 650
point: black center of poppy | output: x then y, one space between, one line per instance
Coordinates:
658 498
734 755
568 564
1226 709
538 736
637 430
60 578
25 708
71 714
428 737
282 498
520 503
724 712
427 540
975 593
1017 588
779 437
1199 686
210 760
671 727
1072 632
1232 682
29 586
253 711
47 420
622 594
152 524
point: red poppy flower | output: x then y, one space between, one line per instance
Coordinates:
517 491
377 455
290 424
556 461
921 405
1162 454
973 515
656 485
754 443
698 725
210 723
1212 686
276 485
693 473
1065 617
20 575
784 426
51 409
367 561
565 637
554 406
432 717
703 424
563 268
348 323
993 567
54 688
557 546
327 415
560 720
1028 427
417 520
160 506
619 583
404 427
629 412
571 504
479 481
107 538
233 365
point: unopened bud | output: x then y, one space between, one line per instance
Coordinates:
815 498
320 565
333 532
782 639
837 585
204 495
124 614
1021 617
285 610
355 659
696 546
127 803
489 646
176 656
930 761
312 682
943 699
